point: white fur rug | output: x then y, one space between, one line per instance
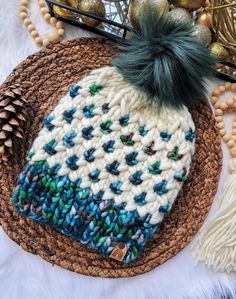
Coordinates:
25 276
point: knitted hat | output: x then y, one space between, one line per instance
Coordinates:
113 154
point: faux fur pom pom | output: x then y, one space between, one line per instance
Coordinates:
164 60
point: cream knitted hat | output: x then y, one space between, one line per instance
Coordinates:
112 156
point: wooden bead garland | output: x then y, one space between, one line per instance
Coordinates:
54 36
223 108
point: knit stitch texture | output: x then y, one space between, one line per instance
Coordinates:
107 165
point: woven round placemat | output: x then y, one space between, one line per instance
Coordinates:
47 76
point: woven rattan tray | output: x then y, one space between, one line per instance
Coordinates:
47 76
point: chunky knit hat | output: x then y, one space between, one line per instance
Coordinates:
113 154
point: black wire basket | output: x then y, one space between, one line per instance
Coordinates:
114 25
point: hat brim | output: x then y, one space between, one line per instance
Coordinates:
47 75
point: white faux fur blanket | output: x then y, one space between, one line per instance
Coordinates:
23 275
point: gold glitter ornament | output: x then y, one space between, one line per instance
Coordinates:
219 51
191 4
180 15
95 7
205 19
136 8
62 11
202 34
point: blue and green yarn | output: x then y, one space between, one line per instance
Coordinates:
47 123
74 90
165 136
68 114
131 159
50 147
190 135
140 198
142 131
95 88
87 133
88 155
88 111
68 139
160 188
105 127
127 139
108 146
155 168
78 213
124 120
71 162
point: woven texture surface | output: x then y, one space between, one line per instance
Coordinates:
46 77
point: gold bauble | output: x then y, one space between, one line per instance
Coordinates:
95 7
161 7
62 11
191 4
202 34
219 51
205 19
180 15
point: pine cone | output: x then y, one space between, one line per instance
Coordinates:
12 116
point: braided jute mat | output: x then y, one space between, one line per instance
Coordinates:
47 76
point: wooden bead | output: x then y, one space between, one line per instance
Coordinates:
233 87
234 125
53 36
220 125
217 105
233 138
222 132
24 2
214 100
227 86
38 41
42 3
44 10
59 25
226 138
216 93
31 27
234 132
46 42
223 106
23 15
47 17
219 112
230 102
53 21
23 9
233 152
219 118
230 143
221 89
27 22
61 32
34 34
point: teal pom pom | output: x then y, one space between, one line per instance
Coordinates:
165 61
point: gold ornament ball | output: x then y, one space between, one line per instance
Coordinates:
95 7
202 34
205 19
219 51
161 7
62 11
191 4
179 15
